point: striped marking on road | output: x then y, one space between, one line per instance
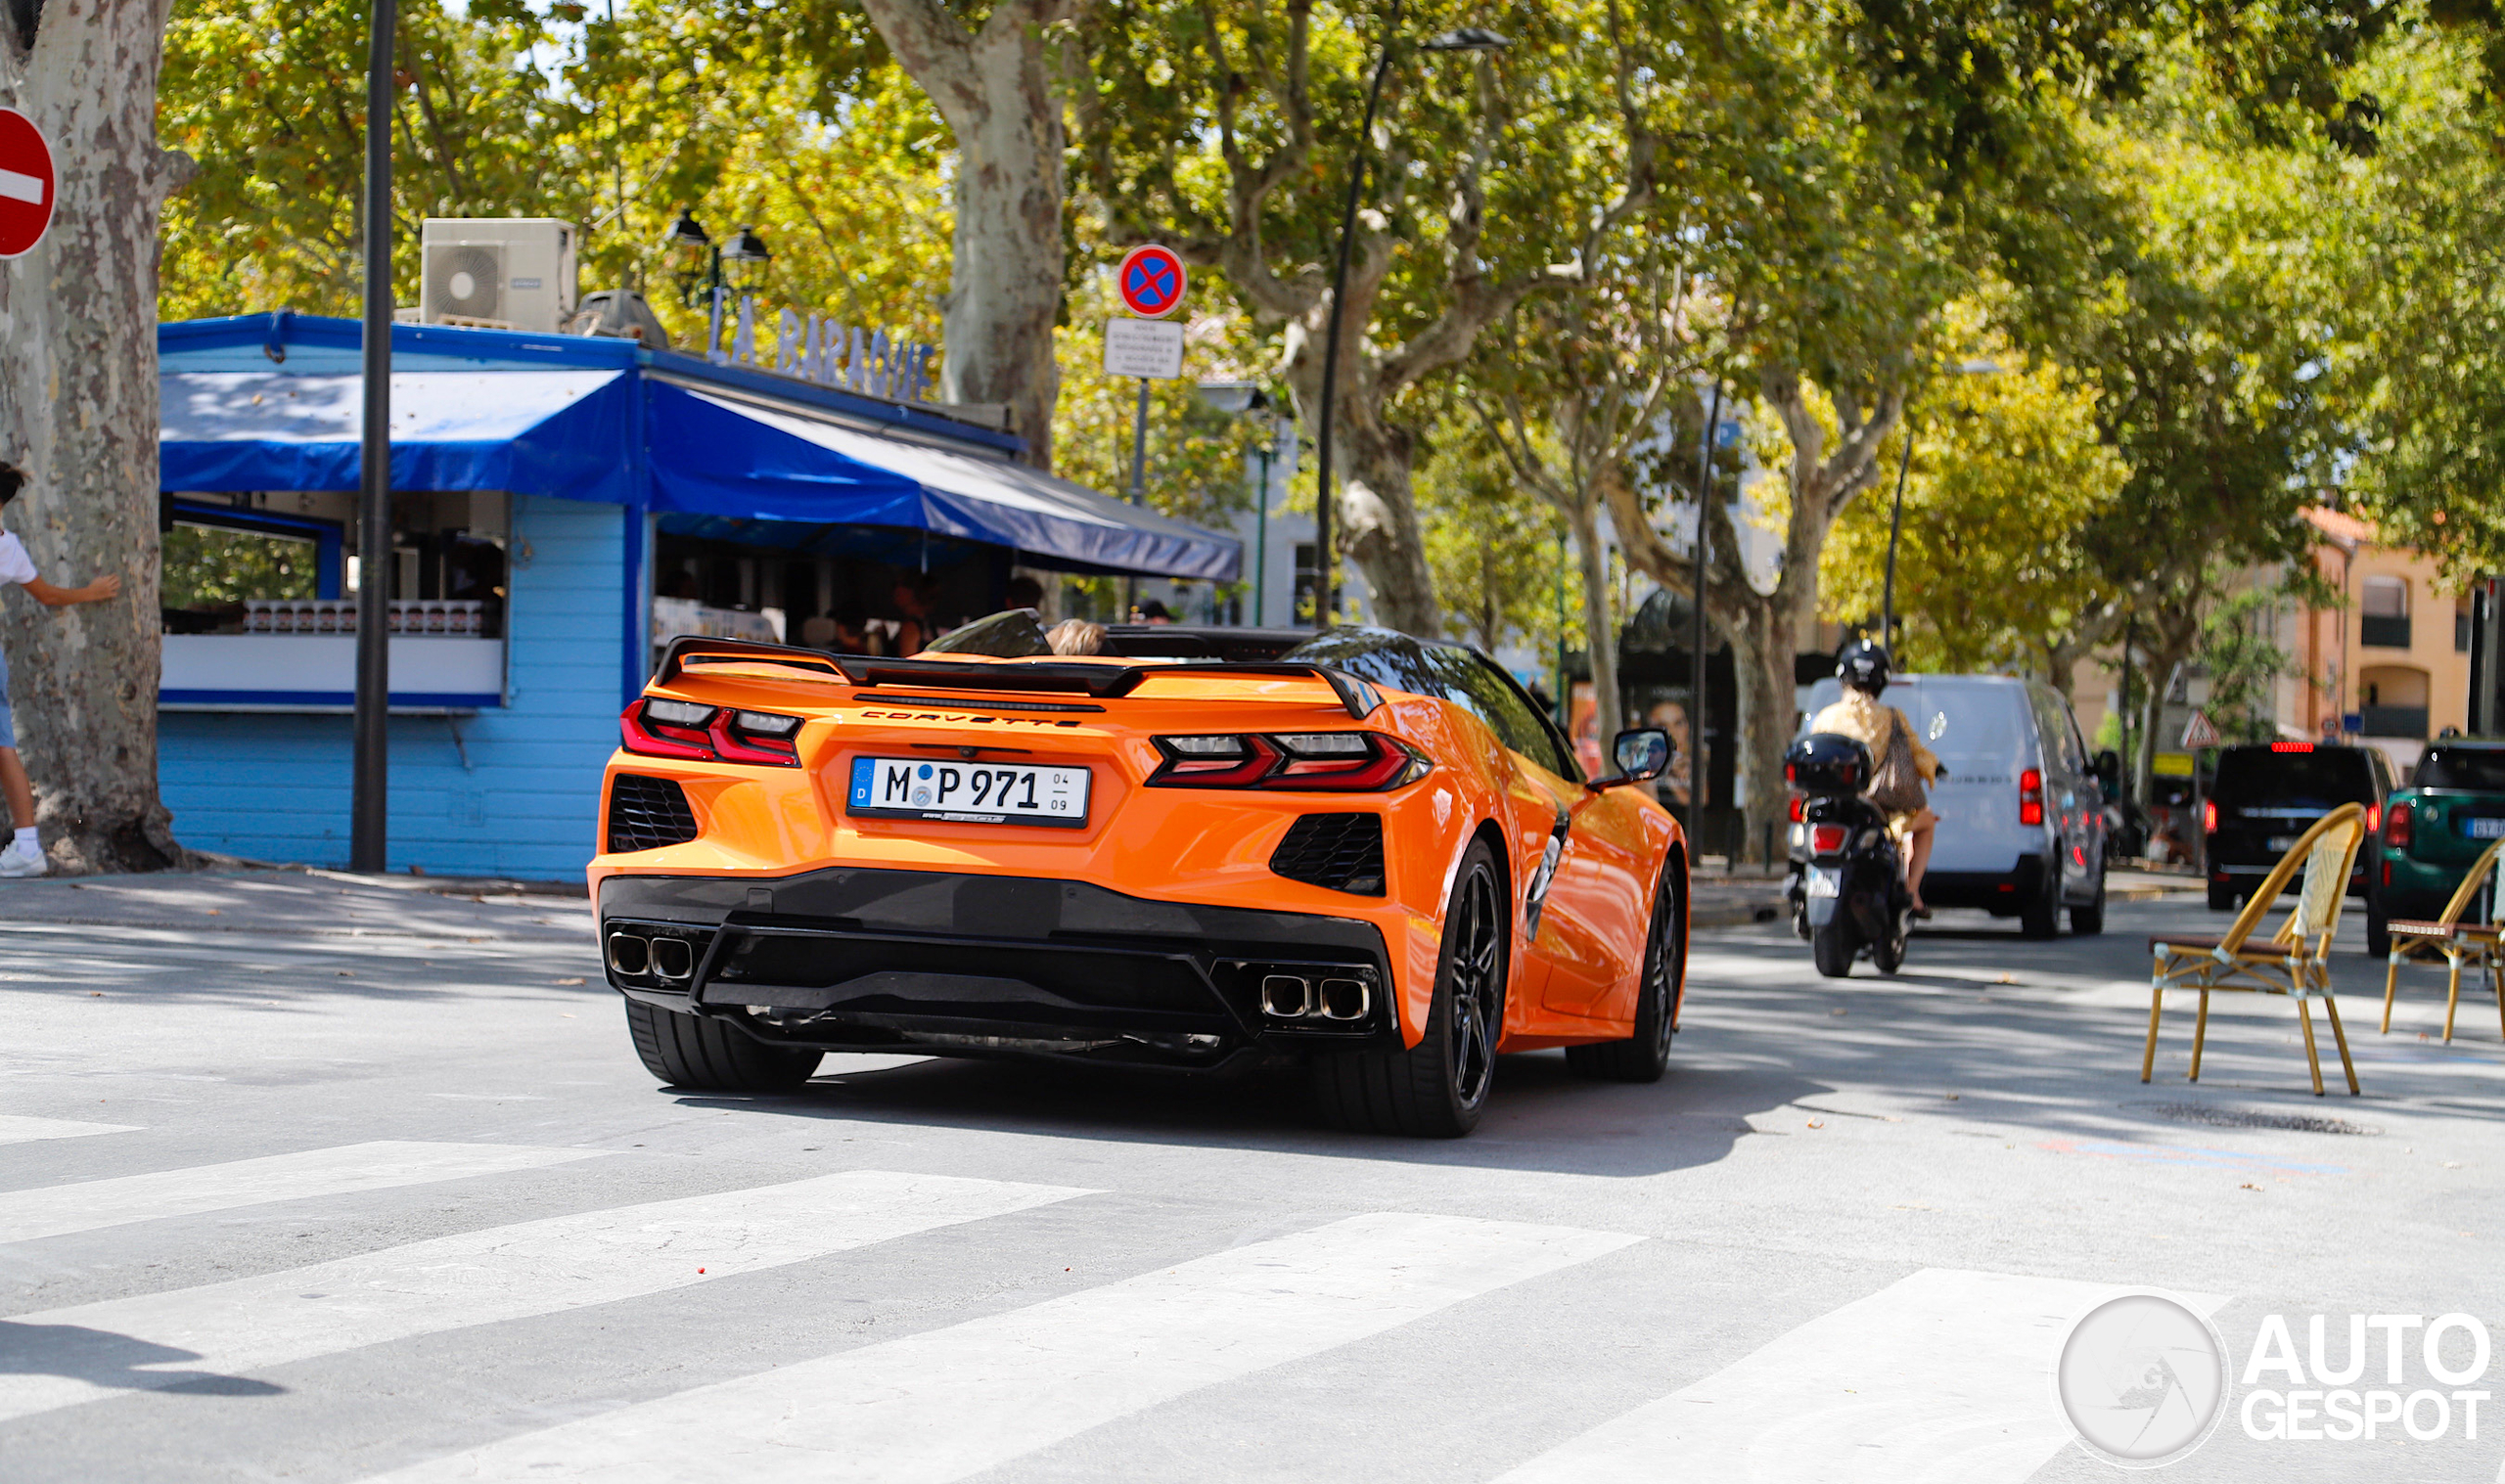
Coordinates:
952 1402
1945 1377
18 1128
57 1210
68 1356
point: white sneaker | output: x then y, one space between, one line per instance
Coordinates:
18 860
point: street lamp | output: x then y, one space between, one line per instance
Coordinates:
697 264
1467 38
1896 512
1245 399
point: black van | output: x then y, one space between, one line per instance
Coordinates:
2265 794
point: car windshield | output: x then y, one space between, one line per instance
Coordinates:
2320 778
2481 769
1012 634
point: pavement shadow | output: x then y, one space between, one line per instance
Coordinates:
103 1358
1541 1116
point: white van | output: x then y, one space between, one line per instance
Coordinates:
2022 809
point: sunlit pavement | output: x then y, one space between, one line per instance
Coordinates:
1845 1233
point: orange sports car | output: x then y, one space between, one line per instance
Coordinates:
1208 849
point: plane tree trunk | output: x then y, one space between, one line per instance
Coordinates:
78 413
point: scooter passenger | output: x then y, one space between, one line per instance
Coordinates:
1902 767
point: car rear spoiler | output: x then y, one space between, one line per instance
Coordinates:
1097 681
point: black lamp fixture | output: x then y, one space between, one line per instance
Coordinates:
745 258
1467 38
699 266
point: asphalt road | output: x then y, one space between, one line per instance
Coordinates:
306 1181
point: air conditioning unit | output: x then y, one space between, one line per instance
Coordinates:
513 273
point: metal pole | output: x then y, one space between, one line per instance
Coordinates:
2130 754
1323 586
370 793
1139 482
1695 710
1895 524
1262 534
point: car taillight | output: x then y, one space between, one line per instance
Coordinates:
2374 817
657 728
2396 826
1800 808
666 729
1338 762
1827 839
2030 797
757 737
2208 816
2286 746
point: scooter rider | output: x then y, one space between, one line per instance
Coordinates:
1901 766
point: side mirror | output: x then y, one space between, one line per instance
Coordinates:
1641 753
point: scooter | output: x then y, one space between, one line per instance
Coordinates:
1847 884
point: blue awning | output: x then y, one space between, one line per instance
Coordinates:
721 456
553 432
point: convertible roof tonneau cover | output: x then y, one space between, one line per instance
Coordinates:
1097 681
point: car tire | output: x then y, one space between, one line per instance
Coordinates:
2378 929
1830 946
704 1054
2089 921
2221 898
1645 1056
1439 1088
2042 916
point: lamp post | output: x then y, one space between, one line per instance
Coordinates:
1243 400
370 761
1467 38
697 264
1897 511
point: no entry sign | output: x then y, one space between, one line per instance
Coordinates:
1150 278
28 184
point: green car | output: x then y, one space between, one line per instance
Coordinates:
2453 808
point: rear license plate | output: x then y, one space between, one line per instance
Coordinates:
2280 842
968 794
1825 881
2491 828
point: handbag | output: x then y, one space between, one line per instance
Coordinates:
1896 785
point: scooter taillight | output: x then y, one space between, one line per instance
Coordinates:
1798 811
1827 839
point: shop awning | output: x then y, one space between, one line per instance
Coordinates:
555 432
727 457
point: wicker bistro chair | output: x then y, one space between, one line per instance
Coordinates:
2294 961
2455 941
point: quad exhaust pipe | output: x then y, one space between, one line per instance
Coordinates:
635 956
1299 997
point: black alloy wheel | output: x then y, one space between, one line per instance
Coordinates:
2042 916
2089 921
1646 1054
1438 1088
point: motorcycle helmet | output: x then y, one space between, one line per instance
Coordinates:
1863 664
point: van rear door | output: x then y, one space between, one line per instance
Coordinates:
1978 727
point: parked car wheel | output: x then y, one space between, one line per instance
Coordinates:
2378 929
2221 898
2089 921
2042 916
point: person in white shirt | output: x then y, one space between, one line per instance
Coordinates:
24 853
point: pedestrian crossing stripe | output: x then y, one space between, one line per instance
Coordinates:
1945 1377
220 1330
18 1128
58 1210
897 1412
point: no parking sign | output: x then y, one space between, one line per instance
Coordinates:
1152 281
29 184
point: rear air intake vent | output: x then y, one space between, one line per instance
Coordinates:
648 813
1341 851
